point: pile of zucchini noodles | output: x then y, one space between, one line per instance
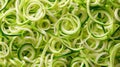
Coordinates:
59 33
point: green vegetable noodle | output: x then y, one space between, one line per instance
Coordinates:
59 33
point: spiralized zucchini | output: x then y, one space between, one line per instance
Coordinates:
3 4
4 50
59 33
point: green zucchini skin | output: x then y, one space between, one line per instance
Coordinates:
26 47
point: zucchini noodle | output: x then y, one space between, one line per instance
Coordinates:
98 46
115 3
63 3
3 4
60 62
78 61
3 62
49 60
107 29
59 33
97 2
16 62
92 17
43 24
4 50
102 62
33 10
113 54
27 48
116 13
71 21
74 47
55 45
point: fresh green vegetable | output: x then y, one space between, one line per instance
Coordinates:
59 33
26 50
